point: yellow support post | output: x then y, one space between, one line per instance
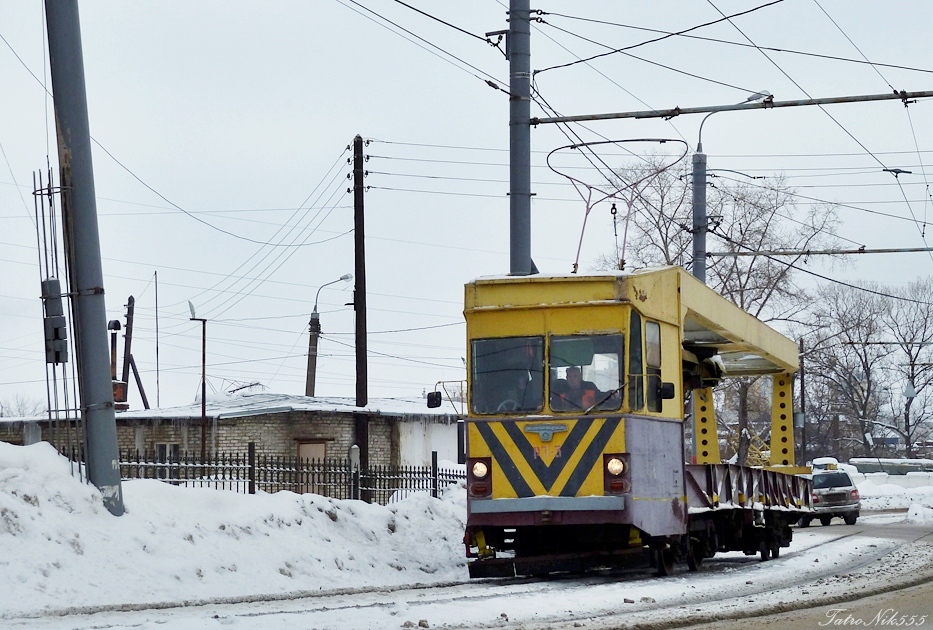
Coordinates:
705 434
782 421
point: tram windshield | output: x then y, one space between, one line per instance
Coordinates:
508 375
586 372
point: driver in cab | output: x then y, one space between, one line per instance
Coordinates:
574 393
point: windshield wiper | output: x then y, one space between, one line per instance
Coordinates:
607 396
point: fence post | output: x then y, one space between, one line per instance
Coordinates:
354 461
251 456
434 482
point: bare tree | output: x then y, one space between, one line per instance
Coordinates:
754 218
654 228
750 218
850 369
909 322
22 406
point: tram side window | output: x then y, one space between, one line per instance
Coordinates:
653 361
508 375
586 372
636 368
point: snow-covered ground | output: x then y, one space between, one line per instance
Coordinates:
62 552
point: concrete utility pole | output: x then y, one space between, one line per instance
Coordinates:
203 321
700 222
314 329
82 249
519 53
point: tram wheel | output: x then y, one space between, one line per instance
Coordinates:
665 559
696 552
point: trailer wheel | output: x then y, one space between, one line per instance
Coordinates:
775 550
665 559
826 520
805 521
764 550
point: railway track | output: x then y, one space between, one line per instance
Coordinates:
824 566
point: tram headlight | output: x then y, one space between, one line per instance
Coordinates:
480 470
615 466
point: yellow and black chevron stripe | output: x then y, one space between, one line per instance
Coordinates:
566 464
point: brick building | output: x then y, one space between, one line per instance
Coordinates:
401 432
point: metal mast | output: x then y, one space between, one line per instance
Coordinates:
519 52
700 226
82 249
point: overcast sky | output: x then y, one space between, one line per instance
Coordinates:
223 130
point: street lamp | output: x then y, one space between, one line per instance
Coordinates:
699 197
314 327
203 380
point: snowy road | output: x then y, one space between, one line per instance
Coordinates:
823 566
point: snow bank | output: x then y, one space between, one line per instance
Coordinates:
919 514
888 496
61 548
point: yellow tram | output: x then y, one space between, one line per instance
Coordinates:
575 431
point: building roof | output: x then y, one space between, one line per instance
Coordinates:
221 406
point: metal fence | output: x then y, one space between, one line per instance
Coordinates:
248 472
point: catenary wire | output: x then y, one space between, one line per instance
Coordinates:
740 44
818 275
649 61
663 37
831 117
909 119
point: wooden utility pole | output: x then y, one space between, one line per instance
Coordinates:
361 420
359 292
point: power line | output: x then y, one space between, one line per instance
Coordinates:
832 203
818 275
831 117
491 81
442 146
456 28
654 63
657 39
176 206
817 3
399 330
922 231
392 356
741 44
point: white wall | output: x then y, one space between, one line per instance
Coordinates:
910 480
418 438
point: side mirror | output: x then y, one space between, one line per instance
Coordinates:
434 400
666 391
